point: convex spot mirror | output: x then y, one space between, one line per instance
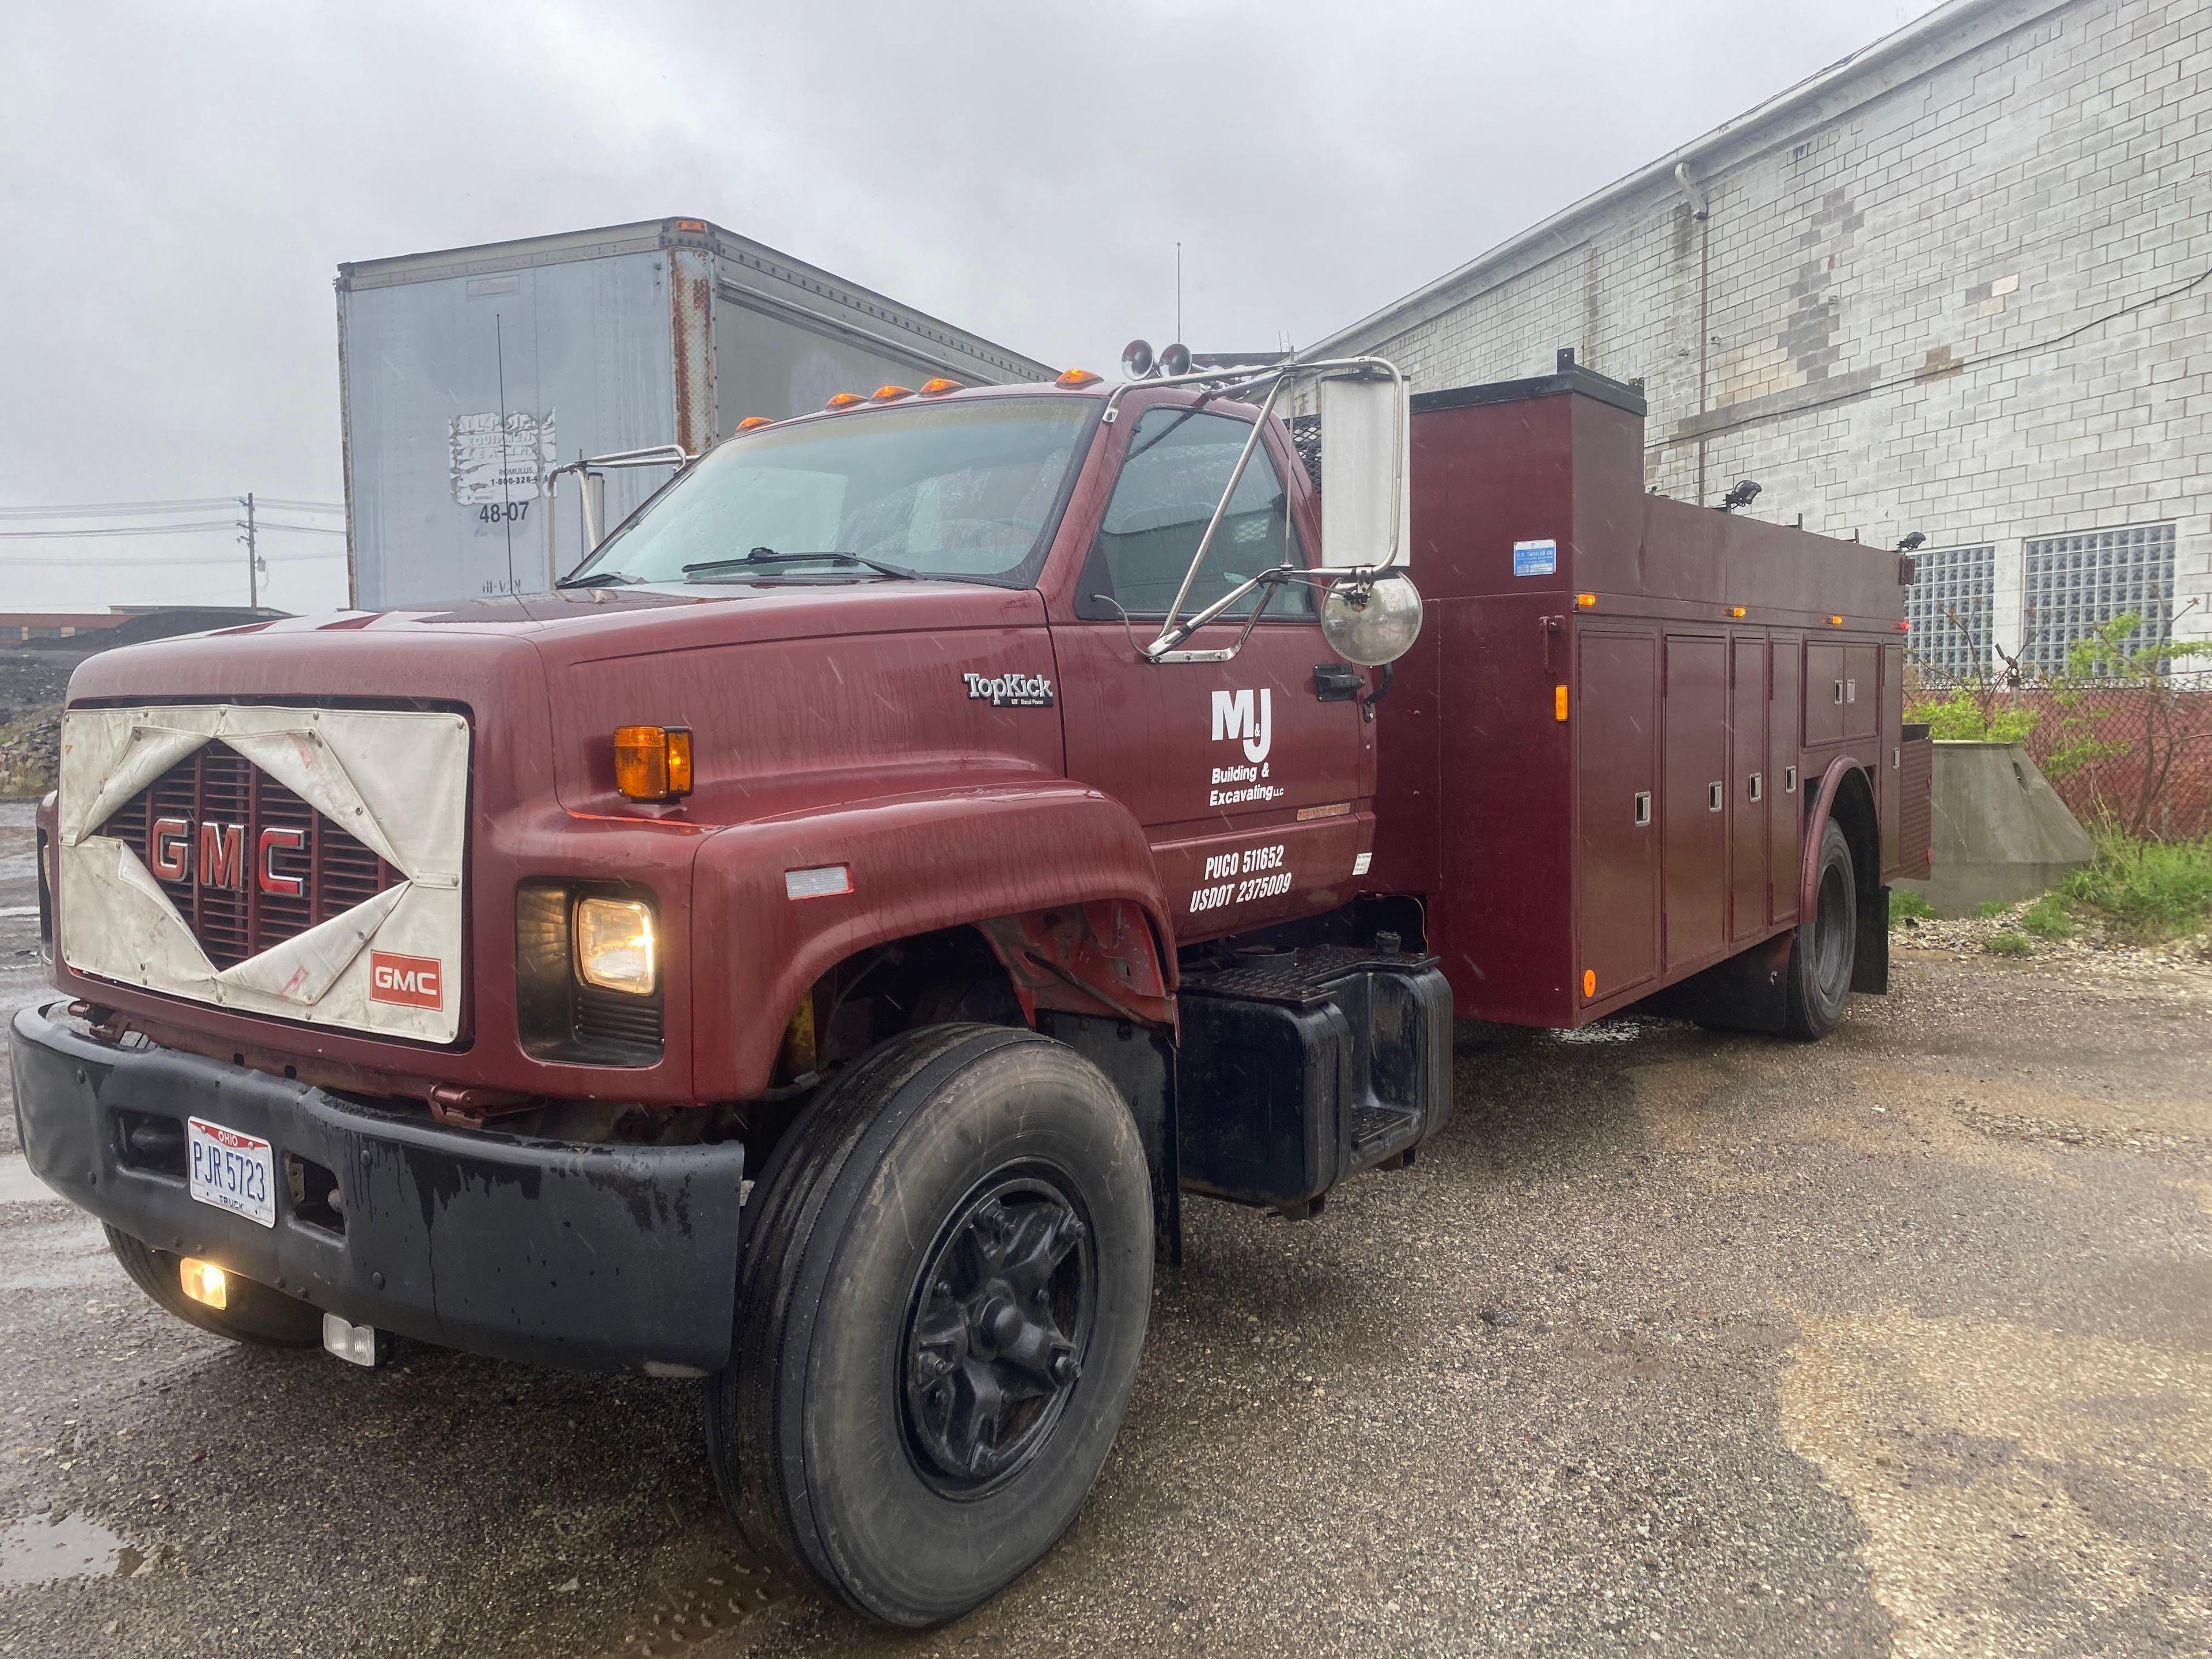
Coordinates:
1371 621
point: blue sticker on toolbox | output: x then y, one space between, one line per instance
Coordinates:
1536 558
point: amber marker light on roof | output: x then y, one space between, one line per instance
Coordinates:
1076 377
1735 610
885 393
691 224
845 400
937 387
752 422
1835 622
1586 601
652 762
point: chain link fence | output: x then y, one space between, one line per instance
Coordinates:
2134 756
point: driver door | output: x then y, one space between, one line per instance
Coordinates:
1254 778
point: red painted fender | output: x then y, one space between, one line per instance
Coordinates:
1816 827
916 863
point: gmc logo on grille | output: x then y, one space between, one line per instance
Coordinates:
411 981
220 861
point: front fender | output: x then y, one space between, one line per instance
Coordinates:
918 863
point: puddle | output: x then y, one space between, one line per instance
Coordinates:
41 1548
18 1186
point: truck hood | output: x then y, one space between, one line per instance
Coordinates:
784 718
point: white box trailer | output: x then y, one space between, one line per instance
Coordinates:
466 376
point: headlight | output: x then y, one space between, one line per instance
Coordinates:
615 947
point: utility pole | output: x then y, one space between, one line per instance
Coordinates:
252 561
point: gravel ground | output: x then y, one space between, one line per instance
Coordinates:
1671 1343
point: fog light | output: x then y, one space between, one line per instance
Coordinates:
615 947
204 1282
357 1344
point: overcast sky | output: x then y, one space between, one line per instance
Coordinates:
180 180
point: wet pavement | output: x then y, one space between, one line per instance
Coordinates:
1671 1344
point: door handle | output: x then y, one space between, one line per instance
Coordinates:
1337 682
1758 786
1643 808
1715 794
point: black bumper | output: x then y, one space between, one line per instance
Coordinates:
595 1257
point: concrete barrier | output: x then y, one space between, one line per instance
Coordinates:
2000 831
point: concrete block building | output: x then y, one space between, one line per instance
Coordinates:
1960 284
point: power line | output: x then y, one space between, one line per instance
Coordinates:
17 562
200 528
145 509
121 530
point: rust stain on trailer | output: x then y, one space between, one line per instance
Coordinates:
691 324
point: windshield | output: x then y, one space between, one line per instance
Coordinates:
966 489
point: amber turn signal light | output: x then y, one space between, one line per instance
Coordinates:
845 400
1835 622
1558 703
1075 376
1586 601
751 421
939 387
652 762
1735 610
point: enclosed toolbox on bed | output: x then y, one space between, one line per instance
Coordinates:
1609 763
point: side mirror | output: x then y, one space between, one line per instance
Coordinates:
1371 621
1366 488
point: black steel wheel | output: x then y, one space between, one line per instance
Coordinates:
946 1280
257 1314
1827 942
1001 1314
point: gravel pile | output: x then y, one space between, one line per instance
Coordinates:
1972 935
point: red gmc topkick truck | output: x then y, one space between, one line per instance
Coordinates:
816 946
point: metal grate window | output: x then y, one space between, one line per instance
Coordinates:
1952 606
2076 584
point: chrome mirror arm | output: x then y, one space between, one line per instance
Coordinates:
1268 580
1220 382
1220 512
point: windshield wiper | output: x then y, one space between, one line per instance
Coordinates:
598 579
761 556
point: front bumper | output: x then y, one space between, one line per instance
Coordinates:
597 1257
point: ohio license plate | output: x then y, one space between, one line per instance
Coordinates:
232 1171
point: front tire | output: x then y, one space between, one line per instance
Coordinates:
257 1314
1827 943
939 1313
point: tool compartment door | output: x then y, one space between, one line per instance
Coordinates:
1693 804
1747 793
1616 730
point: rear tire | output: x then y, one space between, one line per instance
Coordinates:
944 1294
257 1314
1822 955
